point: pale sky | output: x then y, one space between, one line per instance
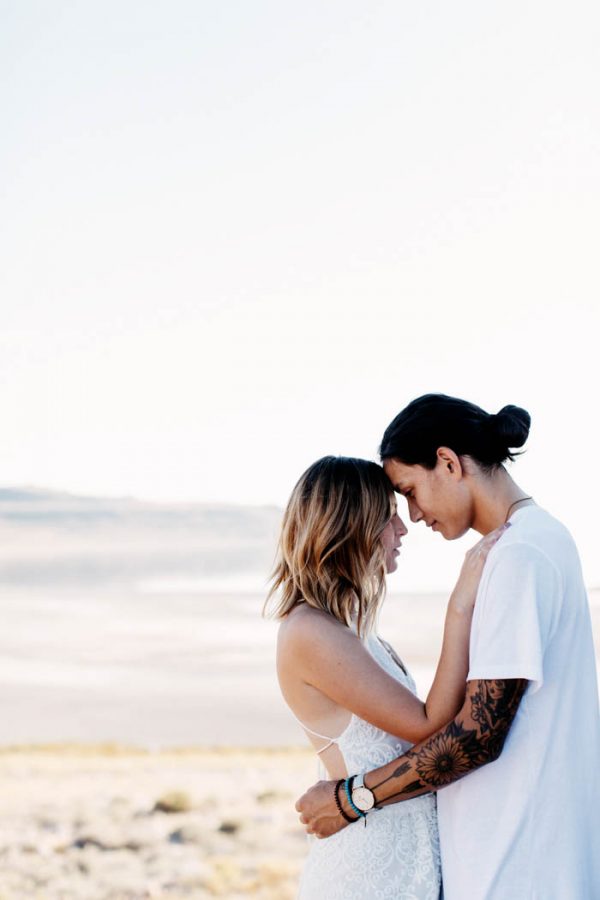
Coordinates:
238 236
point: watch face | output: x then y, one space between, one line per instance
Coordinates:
363 798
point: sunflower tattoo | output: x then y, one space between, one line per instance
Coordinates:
462 745
442 761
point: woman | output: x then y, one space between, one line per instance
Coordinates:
526 823
341 533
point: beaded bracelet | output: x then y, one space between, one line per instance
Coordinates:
341 810
359 812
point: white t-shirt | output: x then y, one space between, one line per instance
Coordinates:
527 826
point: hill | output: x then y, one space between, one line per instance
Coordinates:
61 538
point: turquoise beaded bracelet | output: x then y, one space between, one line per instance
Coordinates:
359 812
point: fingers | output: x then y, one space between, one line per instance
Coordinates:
327 830
322 828
307 824
316 810
320 833
493 536
486 543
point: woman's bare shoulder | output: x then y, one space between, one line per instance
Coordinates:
309 638
307 626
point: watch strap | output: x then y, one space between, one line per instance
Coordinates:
348 785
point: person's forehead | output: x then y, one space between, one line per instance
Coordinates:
399 473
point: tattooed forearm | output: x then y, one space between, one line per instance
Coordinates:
493 703
474 738
402 769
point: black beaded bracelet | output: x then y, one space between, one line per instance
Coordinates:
341 810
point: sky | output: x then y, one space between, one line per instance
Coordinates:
237 237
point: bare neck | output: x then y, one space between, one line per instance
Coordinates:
493 497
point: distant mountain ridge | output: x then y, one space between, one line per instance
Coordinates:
61 538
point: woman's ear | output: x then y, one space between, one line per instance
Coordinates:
450 462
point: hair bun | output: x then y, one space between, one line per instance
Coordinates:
511 425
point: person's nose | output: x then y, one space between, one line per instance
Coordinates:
401 528
413 510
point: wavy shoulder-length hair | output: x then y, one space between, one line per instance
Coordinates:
330 553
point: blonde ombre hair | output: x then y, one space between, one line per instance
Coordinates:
330 554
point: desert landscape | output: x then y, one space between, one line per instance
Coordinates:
145 752
107 823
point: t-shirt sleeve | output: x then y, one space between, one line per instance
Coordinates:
514 617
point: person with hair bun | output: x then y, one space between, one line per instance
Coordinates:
517 770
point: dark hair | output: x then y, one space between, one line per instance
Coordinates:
436 420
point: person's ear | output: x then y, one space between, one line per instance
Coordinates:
450 462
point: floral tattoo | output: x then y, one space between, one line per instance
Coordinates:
443 760
473 739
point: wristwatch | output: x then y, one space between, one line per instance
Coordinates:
362 797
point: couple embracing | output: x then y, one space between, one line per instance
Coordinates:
490 789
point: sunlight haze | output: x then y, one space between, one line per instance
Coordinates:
238 237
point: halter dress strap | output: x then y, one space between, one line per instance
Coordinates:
325 737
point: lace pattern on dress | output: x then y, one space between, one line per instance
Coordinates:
396 856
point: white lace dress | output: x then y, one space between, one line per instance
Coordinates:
396 856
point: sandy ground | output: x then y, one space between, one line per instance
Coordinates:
109 824
159 671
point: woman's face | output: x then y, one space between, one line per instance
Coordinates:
391 538
439 497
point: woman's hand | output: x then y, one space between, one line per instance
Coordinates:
464 594
318 811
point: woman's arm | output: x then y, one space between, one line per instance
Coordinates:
447 692
330 658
